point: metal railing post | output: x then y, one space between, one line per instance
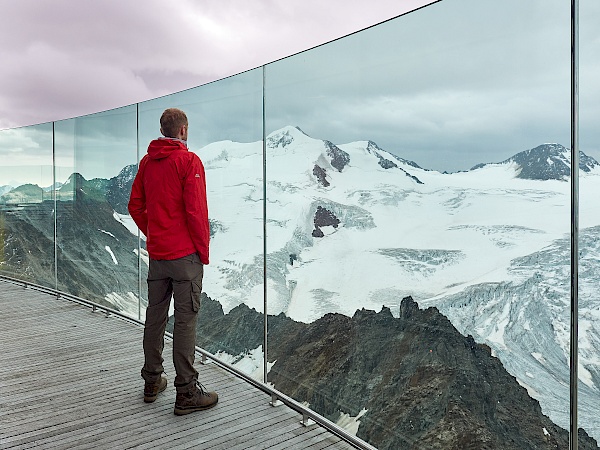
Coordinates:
574 360
139 237
55 203
264 149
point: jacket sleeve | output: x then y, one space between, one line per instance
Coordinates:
196 207
137 201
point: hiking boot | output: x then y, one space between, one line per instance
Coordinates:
151 390
196 399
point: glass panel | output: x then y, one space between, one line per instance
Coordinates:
589 218
96 249
225 131
408 165
27 205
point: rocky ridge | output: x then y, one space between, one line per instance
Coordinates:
414 381
547 162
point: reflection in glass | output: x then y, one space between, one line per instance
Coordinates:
27 204
410 163
225 129
96 250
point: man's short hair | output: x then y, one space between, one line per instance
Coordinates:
171 121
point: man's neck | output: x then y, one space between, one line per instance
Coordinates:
175 139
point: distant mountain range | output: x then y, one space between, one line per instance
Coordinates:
353 227
115 190
545 162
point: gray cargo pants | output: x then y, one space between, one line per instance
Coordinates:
181 278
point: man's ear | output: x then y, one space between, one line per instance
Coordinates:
162 132
183 132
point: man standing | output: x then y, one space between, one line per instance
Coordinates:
168 204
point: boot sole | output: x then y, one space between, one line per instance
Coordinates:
182 412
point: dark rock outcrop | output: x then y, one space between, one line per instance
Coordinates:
321 175
372 147
412 177
323 218
423 384
386 163
339 158
318 233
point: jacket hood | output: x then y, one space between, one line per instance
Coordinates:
162 147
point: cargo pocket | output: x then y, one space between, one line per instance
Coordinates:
196 290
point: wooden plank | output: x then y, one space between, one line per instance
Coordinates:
258 420
118 398
199 433
146 424
339 445
302 440
269 434
70 379
158 427
262 438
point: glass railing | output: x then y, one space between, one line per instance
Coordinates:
96 250
589 221
393 208
27 205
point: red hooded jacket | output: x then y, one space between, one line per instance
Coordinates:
168 201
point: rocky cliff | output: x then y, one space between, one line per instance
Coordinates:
95 252
423 384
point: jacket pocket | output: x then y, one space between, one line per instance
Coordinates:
196 291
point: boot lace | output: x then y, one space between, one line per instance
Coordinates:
201 389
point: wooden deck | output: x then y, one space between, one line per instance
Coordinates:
70 378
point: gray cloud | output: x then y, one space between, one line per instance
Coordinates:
68 58
453 85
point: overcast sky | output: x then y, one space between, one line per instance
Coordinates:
454 84
65 58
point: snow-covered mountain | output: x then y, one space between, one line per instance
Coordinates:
402 229
5 188
353 226
547 162
53 187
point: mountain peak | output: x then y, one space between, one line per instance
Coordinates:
285 136
549 161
